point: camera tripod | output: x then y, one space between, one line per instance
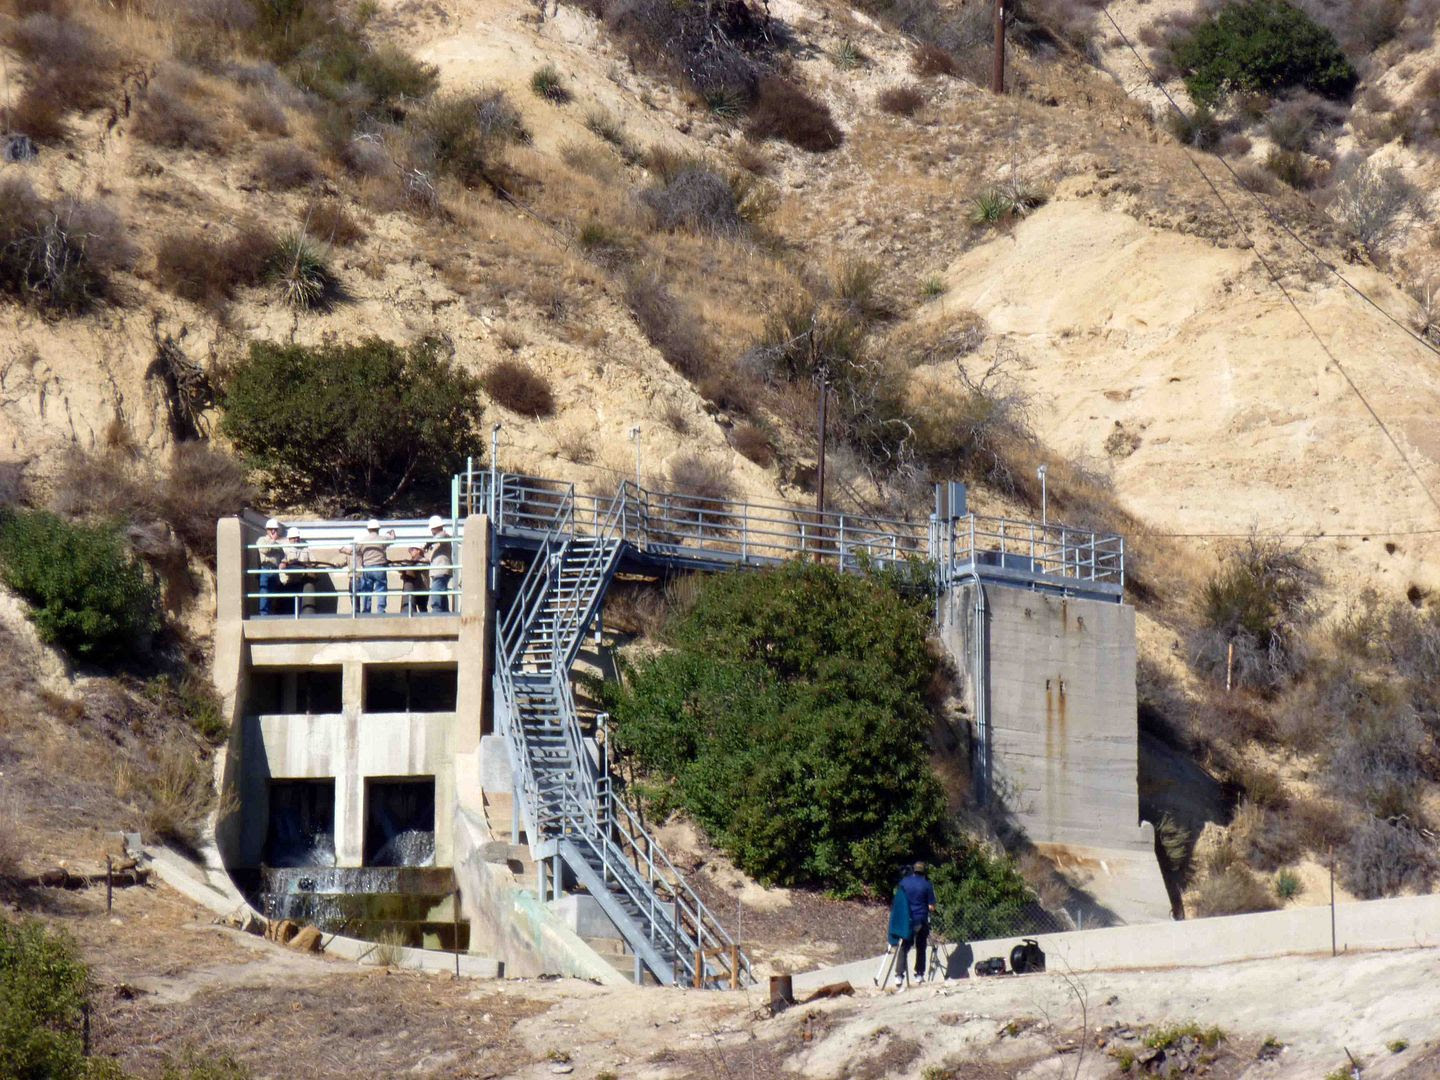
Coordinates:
937 959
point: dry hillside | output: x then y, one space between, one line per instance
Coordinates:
594 222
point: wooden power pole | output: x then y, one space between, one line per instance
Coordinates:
997 80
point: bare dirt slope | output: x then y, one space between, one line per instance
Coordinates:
1181 368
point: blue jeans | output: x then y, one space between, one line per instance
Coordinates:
269 583
371 581
439 594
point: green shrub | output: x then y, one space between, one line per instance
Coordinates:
789 719
42 997
1262 45
999 204
86 593
1288 885
547 84
979 894
362 424
1198 128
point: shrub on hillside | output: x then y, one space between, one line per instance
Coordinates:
284 166
784 110
1267 46
463 135
201 485
359 424
87 594
199 267
789 718
330 223
929 60
1258 603
1233 890
57 256
547 83
300 270
904 100
1197 128
1373 201
42 1002
752 442
519 389
696 199
1383 858
167 117
669 325
70 63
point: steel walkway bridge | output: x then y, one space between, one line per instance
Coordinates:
576 543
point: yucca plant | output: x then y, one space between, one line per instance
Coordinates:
302 273
547 84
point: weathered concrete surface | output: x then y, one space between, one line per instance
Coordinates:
1053 679
1404 922
510 922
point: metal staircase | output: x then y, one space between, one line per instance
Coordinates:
567 802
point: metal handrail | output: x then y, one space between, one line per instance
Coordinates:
322 541
679 525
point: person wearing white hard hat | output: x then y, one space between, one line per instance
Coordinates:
368 566
270 551
439 554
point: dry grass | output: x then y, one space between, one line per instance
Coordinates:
328 221
169 115
263 114
751 441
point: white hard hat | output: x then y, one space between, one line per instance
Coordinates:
272 524
436 521
293 534
372 524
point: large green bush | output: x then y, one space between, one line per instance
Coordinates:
362 424
789 718
86 592
1266 46
42 995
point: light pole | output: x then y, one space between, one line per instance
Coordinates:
1044 500
494 466
635 434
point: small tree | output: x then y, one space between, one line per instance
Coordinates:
1266 46
86 592
362 424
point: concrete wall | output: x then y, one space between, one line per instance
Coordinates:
510 922
352 745
1060 699
1405 922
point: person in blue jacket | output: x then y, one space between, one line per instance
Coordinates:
919 896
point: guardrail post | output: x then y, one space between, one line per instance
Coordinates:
745 533
842 543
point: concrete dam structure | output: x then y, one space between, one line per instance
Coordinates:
425 777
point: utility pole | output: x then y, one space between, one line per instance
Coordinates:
997 80
820 480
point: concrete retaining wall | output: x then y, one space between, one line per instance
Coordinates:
1401 923
510 922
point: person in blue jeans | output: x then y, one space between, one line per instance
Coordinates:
369 567
269 551
921 896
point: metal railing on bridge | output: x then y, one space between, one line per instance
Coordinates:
703 531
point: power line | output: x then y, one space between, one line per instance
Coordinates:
1275 277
